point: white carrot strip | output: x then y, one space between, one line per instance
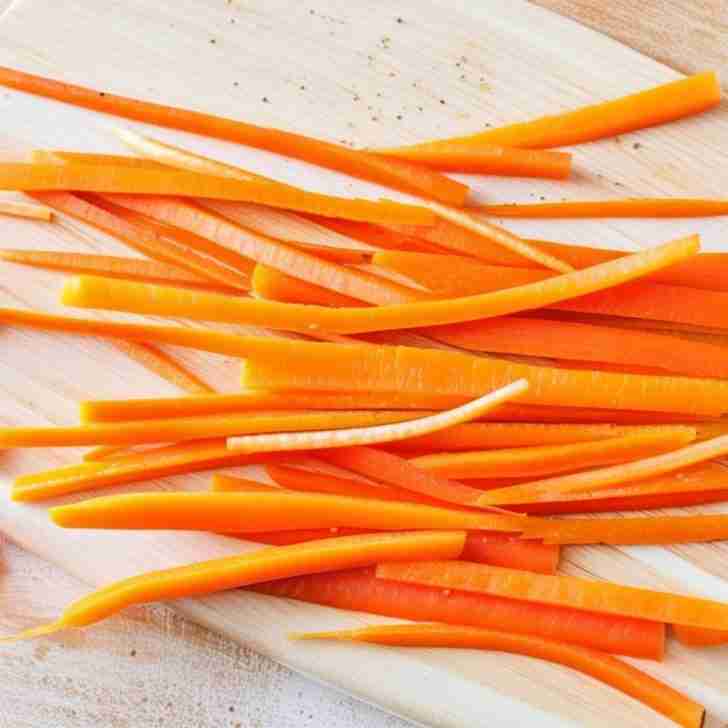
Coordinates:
378 433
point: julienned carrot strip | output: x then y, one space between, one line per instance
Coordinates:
269 251
360 591
400 175
149 271
63 156
658 105
137 467
645 207
707 270
453 276
62 473
380 236
625 531
283 511
568 591
233 572
699 637
609 670
145 240
164 365
277 286
121 295
513 552
486 159
603 479
102 178
138 432
322 366
376 434
523 462
395 471
25 209
588 344
104 452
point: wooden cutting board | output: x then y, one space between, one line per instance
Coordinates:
350 72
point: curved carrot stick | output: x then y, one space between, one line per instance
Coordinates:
482 158
626 531
400 175
139 432
570 591
163 365
235 571
360 591
609 670
251 512
658 105
644 207
395 471
523 462
262 249
604 478
375 434
87 291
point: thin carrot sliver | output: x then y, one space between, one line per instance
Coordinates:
513 552
569 591
262 249
145 240
658 105
139 432
87 291
104 452
63 156
149 271
25 209
699 637
587 344
164 365
360 591
629 531
605 478
250 512
523 462
395 471
644 207
609 670
480 158
400 175
375 434
241 570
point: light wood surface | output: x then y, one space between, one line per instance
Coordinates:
347 71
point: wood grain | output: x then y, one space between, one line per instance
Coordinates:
446 68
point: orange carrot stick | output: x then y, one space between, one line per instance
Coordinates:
625 531
137 467
63 156
569 591
164 365
139 432
92 292
586 343
320 366
393 470
658 105
699 637
124 179
149 242
360 591
619 675
241 570
25 209
604 478
400 175
276 286
149 271
104 452
251 512
262 249
480 158
513 552
524 462
644 207
345 256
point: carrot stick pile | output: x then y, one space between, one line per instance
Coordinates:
437 396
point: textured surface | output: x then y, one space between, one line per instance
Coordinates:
441 72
